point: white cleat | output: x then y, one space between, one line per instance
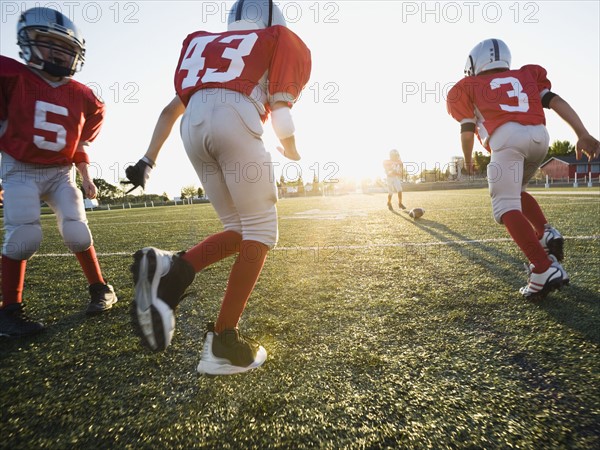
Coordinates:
541 284
229 353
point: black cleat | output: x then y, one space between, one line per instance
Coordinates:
103 298
229 352
553 242
15 323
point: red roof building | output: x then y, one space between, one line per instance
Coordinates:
565 167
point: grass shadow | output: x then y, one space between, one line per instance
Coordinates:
480 253
71 323
580 314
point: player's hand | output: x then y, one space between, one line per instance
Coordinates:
138 174
588 145
89 188
289 153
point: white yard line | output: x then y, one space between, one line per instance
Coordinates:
353 247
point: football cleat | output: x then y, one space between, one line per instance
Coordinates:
553 242
160 278
15 323
103 297
229 352
539 285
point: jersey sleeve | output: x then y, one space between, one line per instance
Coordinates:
540 75
6 84
290 68
93 119
459 105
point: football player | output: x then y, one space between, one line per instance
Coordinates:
227 85
504 107
393 171
46 121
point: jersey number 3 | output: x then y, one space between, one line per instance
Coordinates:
194 60
517 91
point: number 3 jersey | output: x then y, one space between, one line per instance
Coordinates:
267 65
491 100
43 122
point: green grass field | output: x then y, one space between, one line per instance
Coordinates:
381 332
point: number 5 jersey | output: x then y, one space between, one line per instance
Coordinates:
42 122
493 99
267 65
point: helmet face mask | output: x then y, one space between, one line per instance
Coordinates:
487 55
254 15
50 42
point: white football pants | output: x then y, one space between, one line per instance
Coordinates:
25 187
221 131
517 152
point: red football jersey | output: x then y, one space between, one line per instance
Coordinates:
491 100
43 122
392 168
267 65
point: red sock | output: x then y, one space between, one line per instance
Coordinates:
533 213
212 249
242 279
522 233
90 265
13 280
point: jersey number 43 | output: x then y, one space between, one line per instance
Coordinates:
194 60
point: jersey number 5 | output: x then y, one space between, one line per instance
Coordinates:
517 91
194 60
40 122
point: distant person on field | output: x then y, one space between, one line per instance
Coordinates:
227 85
504 108
393 171
46 121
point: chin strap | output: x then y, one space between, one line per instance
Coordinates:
56 70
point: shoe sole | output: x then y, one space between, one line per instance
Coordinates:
154 318
552 286
222 366
225 368
94 311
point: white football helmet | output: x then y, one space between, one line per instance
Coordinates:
254 15
394 155
36 23
487 55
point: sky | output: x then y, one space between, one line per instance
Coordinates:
381 71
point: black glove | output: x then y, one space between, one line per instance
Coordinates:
138 174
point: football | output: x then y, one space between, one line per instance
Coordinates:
416 213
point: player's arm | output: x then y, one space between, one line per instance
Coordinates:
169 115
82 164
467 142
586 143
139 173
283 125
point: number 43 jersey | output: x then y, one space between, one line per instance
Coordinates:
43 122
267 65
491 100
